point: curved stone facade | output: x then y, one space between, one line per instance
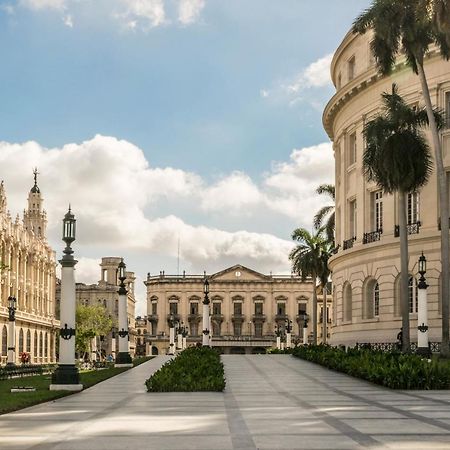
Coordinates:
367 264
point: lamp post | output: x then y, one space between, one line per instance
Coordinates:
288 333
113 343
180 336
66 376
184 334
278 335
123 357
171 335
305 329
422 310
205 337
11 331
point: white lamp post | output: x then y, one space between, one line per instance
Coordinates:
185 333
180 336
305 330
171 335
113 343
205 337
422 310
11 332
288 333
123 357
278 334
66 376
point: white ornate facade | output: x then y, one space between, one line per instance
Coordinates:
245 307
29 276
367 264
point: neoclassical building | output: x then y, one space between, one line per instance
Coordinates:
367 264
29 276
245 307
105 293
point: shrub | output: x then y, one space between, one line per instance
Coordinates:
194 369
391 369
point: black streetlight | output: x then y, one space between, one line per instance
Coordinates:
12 308
206 312
123 358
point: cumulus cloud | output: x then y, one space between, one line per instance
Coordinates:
189 10
118 199
148 13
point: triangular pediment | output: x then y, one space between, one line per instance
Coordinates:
239 273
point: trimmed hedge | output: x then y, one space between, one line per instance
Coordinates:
391 369
194 369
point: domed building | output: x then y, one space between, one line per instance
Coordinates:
366 266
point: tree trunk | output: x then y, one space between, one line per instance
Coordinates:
404 274
314 310
444 212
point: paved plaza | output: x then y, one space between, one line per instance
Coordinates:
271 402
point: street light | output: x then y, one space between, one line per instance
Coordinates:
422 309
66 376
11 331
278 335
171 322
288 333
123 357
205 318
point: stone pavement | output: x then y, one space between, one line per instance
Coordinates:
271 402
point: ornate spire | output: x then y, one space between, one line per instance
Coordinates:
2 198
35 188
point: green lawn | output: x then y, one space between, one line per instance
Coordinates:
13 401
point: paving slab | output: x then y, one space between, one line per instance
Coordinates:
271 402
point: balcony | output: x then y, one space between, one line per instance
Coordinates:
259 317
238 317
217 317
152 318
348 243
194 317
373 236
176 317
281 317
412 228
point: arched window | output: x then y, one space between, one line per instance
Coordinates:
35 346
41 345
412 295
4 341
20 341
347 302
371 303
28 341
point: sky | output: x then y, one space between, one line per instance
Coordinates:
184 133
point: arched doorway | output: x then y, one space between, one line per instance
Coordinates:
155 350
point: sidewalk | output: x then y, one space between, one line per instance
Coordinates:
271 402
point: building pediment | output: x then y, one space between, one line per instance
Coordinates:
239 273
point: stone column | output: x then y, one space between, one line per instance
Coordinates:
422 311
123 358
11 342
66 376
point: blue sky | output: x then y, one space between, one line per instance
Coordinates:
160 120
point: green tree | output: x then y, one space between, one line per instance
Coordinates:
325 217
91 321
411 27
308 261
398 159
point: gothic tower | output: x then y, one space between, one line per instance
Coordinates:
35 219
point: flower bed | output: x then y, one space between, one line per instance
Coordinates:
195 369
391 369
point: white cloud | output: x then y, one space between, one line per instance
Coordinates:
148 13
189 10
68 21
44 4
126 207
8 8
294 90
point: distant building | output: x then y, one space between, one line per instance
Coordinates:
141 334
29 276
245 307
105 293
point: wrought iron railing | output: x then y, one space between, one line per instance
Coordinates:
435 347
348 243
373 236
335 249
412 228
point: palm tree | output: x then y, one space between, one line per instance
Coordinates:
397 158
411 27
308 260
325 217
